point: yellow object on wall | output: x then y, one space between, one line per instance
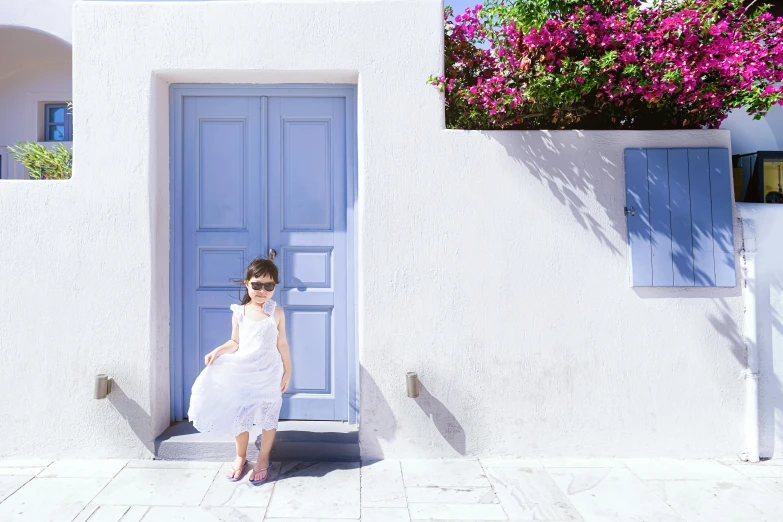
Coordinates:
771 167
738 184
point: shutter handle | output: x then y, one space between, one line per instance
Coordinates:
271 254
633 211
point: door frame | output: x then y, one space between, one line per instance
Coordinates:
177 93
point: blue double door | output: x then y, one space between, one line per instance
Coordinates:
266 176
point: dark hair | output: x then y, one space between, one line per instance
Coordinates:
259 267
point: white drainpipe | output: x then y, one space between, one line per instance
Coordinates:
751 341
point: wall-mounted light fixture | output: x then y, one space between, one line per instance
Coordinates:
102 386
413 384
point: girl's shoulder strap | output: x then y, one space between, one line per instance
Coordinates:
238 310
269 309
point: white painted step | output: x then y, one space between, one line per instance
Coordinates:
323 441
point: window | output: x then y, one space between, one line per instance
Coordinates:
758 177
58 122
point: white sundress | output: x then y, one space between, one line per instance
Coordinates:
241 389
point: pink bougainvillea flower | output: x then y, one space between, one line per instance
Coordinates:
610 64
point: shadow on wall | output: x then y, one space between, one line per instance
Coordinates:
24 47
448 426
377 414
137 418
574 184
691 230
723 323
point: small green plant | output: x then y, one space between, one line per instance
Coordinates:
43 163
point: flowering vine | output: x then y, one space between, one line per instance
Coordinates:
609 64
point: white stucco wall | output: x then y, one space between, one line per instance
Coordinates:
762 230
493 264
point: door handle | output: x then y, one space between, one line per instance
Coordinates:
271 254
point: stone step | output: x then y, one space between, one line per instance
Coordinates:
323 441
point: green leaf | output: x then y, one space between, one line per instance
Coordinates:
43 163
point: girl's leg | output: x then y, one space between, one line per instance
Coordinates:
239 461
267 439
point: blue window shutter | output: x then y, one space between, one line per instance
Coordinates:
682 239
637 201
701 212
722 224
660 217
679 208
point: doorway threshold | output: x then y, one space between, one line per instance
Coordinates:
309 441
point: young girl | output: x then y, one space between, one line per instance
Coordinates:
245 378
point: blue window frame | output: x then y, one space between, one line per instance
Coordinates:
58 122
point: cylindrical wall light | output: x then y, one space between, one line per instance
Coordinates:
102 386
413 384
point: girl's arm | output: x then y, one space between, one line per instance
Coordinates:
230 346
282 347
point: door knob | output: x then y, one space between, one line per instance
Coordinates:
272 254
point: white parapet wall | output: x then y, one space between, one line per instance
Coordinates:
491 263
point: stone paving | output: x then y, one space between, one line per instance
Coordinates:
595 490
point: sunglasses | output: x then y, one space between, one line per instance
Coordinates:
266 286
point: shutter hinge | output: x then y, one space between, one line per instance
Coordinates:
632 211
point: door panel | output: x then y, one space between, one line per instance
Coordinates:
222 218
307 139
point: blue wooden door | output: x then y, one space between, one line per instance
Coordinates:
258 173
307 229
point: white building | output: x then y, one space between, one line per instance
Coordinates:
493 264
35 76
